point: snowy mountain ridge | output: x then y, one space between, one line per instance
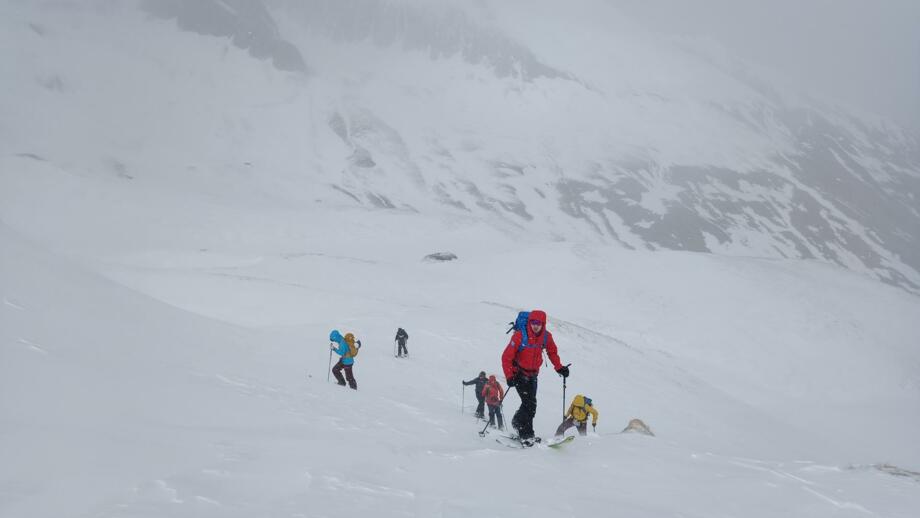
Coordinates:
573 130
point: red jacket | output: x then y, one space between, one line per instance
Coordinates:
528 360
492 391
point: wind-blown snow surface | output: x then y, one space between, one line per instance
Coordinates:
180 369
174 254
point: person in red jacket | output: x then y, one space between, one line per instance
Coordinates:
521 362
493 393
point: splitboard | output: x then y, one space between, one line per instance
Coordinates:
560 442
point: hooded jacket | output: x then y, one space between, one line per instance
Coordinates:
342 349
526 358
492 391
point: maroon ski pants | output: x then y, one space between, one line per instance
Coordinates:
337 372
581 426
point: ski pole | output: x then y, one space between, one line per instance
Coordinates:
563 398
462 396
564 378
482 433
395 353
329 367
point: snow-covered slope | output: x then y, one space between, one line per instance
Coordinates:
774 388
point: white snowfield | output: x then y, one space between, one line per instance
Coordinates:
191 380
176 247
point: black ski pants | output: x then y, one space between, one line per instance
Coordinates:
496 411
523 418
481 406
402 348
337 372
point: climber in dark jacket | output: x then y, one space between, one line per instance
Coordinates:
479 382
401 338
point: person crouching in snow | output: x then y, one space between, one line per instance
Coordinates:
346 347
577 416
521 362
493 393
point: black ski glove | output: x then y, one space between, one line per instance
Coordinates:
512 381
563 371
359 343
594 427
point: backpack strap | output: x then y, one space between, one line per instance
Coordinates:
525 341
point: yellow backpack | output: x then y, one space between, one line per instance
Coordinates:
580 408
352 348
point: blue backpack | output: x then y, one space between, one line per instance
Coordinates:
520 324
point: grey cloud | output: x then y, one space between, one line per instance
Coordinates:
438 30
863 55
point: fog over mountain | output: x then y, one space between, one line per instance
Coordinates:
861 55
578 124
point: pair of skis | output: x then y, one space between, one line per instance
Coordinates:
516 442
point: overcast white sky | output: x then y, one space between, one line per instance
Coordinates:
859 53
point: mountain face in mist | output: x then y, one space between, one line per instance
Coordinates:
247 24
576 125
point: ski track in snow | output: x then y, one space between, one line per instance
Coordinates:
13 304
298 255
32 346
251 387
207 500
808 486
158 490
838 504
340 484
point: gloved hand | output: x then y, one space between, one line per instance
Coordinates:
563 371
594 426
359 343
512 381
333 346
